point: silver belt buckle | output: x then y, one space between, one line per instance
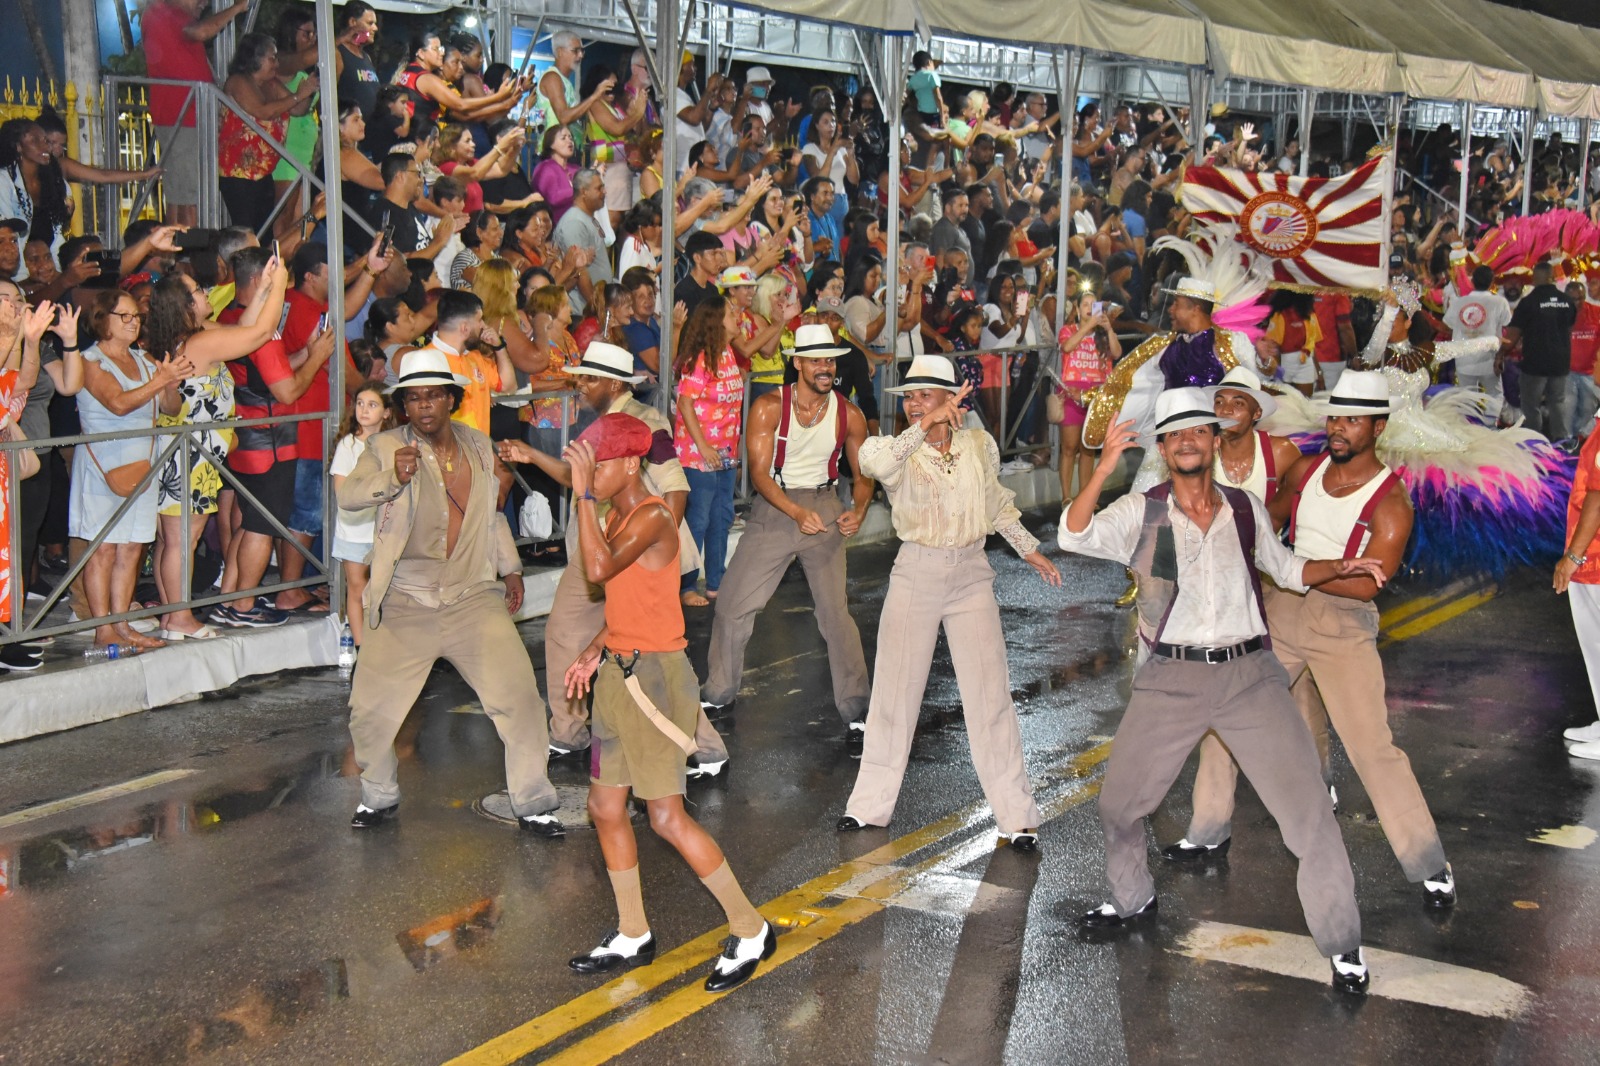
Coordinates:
1214 656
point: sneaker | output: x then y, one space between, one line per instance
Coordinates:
1589 750
1016 466
20 657
1350 973
1583 734
261 616
1440 889
739 959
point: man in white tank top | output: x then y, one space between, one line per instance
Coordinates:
1249 458
797 437
1343 503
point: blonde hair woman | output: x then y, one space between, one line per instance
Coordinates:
495 283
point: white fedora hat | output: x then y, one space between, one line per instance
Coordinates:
1184 408
815 341
1194 289
602 360
1243 379
1357 392
427 366
929 372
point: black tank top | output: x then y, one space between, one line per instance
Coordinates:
359 82
421 106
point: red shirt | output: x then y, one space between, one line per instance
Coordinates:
1585 338
253 376
474 190
169 53
304 312
1331 308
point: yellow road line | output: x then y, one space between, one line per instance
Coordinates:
1437 617
99 795
1412 607
803 902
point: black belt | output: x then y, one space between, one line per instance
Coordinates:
1194 654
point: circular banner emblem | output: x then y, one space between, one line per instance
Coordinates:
1278 224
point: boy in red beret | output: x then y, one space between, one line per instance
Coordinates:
646 702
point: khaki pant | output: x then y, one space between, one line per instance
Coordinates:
953 588
1246 701
478 638
576 615
772 540
1335 639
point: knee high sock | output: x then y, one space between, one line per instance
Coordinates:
744 921
630 902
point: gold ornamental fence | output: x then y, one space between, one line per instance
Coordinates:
103 209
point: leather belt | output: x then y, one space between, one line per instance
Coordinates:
1194 654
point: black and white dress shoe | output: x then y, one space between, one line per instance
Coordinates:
1184 851
1027 840
702 768
617 952
368 818
849 823
739 959
543 825
855 738
1350 973
1440 890
1105 916
714 711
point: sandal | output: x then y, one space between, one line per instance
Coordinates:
203 633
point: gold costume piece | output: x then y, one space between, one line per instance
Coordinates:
1105 401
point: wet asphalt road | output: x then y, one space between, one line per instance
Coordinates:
229 915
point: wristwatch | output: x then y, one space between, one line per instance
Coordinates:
1577 560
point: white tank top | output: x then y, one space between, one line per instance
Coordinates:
1256 483
809 451
1323 523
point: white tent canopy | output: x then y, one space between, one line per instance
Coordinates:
1568 68
1442 57
1309 43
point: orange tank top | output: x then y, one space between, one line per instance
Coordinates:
643 612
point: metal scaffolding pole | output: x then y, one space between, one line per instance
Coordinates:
1530 124
1308 106
1586 131
1466 164
328 105
1069 72
894 61
668 63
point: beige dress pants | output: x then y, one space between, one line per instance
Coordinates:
1336 640
770 543
478 638
952 588
576 615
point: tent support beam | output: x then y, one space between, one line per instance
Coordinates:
668 60
1308 100
1069 72
1530 124
892 50
1466 164
1586 133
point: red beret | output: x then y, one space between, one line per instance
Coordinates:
617 436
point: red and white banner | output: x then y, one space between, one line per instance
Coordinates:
1318 233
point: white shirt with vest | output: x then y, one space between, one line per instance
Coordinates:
1216 601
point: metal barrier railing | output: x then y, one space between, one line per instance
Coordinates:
24 625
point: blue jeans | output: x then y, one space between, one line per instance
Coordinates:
309 481
1582 398
710 516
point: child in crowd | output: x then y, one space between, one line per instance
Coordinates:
966 331
1089 347
369 413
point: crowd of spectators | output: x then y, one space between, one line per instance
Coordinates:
511 221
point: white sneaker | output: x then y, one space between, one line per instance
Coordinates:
1588 750
1584 734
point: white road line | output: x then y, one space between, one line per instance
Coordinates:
1394 975
99 795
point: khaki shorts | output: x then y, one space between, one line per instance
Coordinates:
622 186
626 749
180 177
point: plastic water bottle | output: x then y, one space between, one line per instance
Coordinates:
347 654
109 651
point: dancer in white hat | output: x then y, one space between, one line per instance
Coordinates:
1207 664
944 487
797 438
1343 503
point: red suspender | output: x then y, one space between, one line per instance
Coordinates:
781 445
1294 505
1269 462
1352 547
838 440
